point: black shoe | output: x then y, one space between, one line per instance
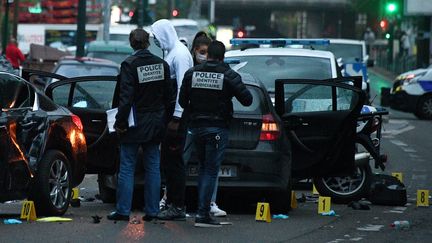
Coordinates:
117 217
206 222
149 218
172 213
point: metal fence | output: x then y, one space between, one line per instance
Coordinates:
400 63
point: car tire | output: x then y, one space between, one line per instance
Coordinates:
106 194
331 186
424 108
51 191
281 201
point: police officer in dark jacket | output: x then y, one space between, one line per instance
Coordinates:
206 95
147 92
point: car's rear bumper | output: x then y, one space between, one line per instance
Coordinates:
260 168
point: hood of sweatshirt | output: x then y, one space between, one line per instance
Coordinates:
164 31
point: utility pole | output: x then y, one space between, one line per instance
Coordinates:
142 12
212 7
81 32
5 33
15 19
106 19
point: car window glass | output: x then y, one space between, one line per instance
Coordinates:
257 104
60 94
77 70
93 94
269 68
315 98
117 57
15 92
348 52
307 98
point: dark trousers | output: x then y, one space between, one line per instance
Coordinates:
173 167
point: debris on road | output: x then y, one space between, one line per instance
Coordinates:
360 205
96 219
12 221
280 216
329 213
371 227
400 225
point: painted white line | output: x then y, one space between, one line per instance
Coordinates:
398 143
419 177
394 121
371 227
356 239
413 156
406 129
409 150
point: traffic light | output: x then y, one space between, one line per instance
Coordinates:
175 13
240 33
383 24
387 35
391 7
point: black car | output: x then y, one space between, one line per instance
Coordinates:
42 147
309 133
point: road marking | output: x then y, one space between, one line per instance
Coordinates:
396 210
413 155
419 177
397 121
409 150
400 131
371 227
398 143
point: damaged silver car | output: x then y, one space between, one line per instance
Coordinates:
42 147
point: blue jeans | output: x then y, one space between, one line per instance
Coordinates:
188 149
125 182
210 144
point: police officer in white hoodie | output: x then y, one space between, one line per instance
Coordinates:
180 60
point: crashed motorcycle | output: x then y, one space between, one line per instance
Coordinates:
368 140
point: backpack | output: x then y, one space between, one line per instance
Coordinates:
387 190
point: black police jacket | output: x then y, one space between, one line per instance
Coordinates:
145 85
207 91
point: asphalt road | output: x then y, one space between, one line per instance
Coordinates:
406 140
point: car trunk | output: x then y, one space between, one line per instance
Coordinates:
245 131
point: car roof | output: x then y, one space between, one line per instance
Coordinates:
180 22
87 61
346 41
109 46
265 51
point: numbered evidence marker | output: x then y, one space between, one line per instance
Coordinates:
314 190
324 204
293 200
422 198
398 175
263 212
75 202
28 211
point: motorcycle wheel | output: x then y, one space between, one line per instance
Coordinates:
347 188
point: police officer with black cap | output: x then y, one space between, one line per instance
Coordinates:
206 94
145 88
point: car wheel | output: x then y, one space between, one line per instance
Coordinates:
347 188
52 189
424 108
106 194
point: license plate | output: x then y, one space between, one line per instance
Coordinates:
224 171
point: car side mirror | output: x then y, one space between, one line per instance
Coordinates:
370 62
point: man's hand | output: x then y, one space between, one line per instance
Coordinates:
172 128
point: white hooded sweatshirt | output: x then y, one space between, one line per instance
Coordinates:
178 56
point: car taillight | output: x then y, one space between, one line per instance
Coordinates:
269 128
77 121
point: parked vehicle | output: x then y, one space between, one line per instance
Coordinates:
42 147
273 63
412 92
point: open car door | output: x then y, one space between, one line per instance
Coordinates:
89 98
320 118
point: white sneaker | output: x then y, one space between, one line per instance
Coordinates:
162 204
216 211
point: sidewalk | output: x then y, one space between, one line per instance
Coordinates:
384 73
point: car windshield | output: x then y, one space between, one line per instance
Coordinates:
348 52
269 68
77 70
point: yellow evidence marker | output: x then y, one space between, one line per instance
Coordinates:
422 198
263 212
314 190
293 200
75 193
324 204
398 175
28 211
